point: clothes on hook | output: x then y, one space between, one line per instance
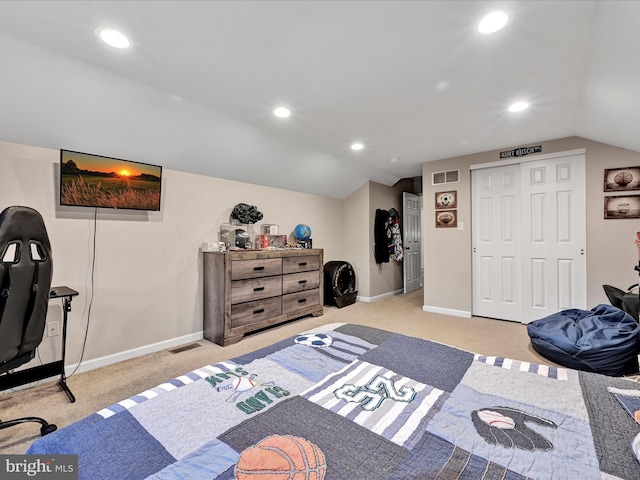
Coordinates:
387 236
381 245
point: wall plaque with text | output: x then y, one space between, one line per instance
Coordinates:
521 152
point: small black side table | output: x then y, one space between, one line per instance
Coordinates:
22 377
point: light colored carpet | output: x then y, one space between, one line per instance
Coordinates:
105 386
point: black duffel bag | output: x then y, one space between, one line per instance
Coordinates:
625 301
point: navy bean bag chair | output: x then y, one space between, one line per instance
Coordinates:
603 340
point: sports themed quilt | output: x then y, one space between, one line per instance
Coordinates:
350 402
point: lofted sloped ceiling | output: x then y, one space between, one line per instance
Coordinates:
413 81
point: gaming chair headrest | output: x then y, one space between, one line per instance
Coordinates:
23 224
26 270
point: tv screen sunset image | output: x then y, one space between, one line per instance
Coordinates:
95 181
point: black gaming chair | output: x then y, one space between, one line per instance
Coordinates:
25 273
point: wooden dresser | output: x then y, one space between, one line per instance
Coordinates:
246 290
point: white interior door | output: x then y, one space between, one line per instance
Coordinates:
497 241
529 237
554 222
411 241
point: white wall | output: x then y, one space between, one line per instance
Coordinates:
148 272
357 224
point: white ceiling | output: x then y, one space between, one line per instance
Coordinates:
411 80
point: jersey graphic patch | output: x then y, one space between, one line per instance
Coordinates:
380 400
245 390
371 396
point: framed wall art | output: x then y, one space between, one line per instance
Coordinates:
446 218
620 206
446 200
622 179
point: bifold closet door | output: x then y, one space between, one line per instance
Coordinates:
554 270
496 242
529 237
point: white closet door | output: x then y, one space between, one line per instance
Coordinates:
529 237
554 228
496 240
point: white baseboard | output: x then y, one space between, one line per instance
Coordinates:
446 311
379 297
87 365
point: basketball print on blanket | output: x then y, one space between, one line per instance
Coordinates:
314 340
281 457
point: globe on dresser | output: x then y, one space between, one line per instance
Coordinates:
302 232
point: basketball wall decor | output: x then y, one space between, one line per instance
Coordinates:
622 179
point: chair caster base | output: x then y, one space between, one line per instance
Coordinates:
47 429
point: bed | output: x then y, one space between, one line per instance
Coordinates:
352 402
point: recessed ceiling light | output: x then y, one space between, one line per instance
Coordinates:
357 146
394 160
518 106
282 112
493 22
113 37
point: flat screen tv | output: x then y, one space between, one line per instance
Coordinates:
88 180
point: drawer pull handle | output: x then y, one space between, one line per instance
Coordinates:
257 269
258 289
302 264
302 300
302 282
260 310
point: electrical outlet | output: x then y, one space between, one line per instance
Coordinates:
53 328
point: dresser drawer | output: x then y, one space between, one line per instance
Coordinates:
300 264
255 268
255 289
293 302
296 282
253 312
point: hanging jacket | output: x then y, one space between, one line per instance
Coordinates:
381 241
